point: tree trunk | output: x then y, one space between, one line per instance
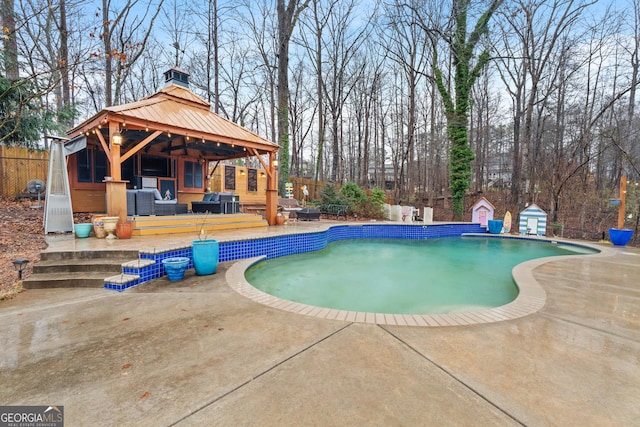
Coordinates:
287 16
10 41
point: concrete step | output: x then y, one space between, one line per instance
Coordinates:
85 269
98 265
90 255
65 280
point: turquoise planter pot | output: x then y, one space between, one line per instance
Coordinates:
205 256
82 230
620 237
495 226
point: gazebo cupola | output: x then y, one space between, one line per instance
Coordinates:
176 76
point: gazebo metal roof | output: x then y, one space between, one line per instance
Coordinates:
182 121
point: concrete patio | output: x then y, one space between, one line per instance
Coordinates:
197 353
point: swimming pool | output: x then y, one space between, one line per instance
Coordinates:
400 276
531 297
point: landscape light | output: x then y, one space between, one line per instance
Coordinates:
20 265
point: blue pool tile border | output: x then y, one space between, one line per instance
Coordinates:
289 244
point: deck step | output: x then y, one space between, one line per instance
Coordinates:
193 223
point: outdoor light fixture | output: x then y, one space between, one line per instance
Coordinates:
262 175
242 172
275 163
20 265
116 139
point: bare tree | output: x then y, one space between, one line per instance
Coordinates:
124 35
409 45
259 19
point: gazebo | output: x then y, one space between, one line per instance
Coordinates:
172 134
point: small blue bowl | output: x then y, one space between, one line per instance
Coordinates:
82 230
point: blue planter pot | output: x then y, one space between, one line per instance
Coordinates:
495 226
82 230
205 256
620 237
175 267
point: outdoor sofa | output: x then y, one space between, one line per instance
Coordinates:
217 203
148 201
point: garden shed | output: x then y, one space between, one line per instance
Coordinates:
482 211
533 220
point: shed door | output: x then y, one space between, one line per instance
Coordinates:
532 225
482 217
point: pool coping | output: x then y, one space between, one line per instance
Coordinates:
531 296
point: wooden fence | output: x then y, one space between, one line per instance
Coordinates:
20 165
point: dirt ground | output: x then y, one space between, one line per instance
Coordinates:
21 237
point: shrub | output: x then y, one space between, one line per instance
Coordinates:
372 206
329 196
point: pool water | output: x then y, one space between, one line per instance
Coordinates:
399 276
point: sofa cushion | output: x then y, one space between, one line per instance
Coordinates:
211 197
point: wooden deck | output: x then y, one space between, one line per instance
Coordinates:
193 223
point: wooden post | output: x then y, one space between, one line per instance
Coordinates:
117 199
272 192
116 188
623 196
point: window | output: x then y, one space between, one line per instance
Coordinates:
193 175
84 160
100 165
252 180
92 165
229 177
